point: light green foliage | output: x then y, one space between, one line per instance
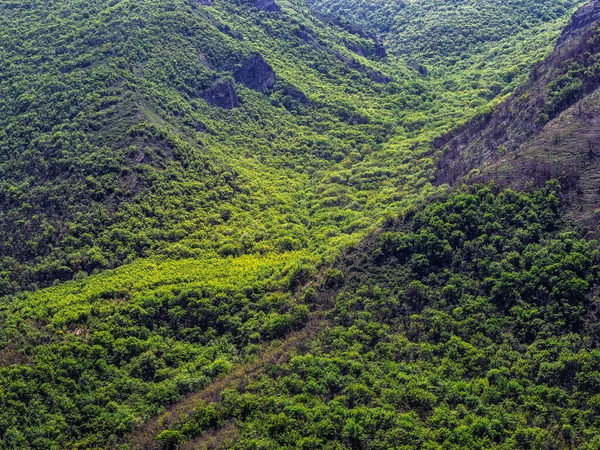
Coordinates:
100 354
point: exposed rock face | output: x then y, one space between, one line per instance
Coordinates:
256 73
419 68
379 50
267 5
378 77
291 98
355 48
356 29
581 20
306 34
354 64
224 28
296 94
221 94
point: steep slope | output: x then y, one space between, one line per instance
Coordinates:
460 45
547 129
107 131
431 31
222 154
567 149
469 323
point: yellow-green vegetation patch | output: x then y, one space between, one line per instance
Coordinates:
118 346
69 302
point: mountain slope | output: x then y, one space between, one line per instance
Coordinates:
429 31
107 131
197 169
547 129
469 323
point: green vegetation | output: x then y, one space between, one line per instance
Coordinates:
110 153
433 31
546 130
471 323
152 241
87 359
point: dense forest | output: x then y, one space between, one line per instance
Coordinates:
470 323
299 224
111 152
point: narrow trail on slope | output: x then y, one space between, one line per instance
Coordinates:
144 438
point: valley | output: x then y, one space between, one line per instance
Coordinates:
322 224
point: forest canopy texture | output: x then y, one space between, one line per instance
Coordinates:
316 224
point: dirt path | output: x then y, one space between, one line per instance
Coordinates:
273 353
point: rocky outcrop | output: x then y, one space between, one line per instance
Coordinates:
355 48
379 50
289 96
306 34
224 28
581 21
267 5
355 29
418 67
378 77
295 94
256 73
222 94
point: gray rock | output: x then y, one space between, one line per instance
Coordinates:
267 5
380 51
306 34
581 20
355 29
256 73
374 75
295 94
204 2
224 28
222 94
354 64
418 67
378 77
355 48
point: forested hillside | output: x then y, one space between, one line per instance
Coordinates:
223 225
470 323
112 151
445 30
546 129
